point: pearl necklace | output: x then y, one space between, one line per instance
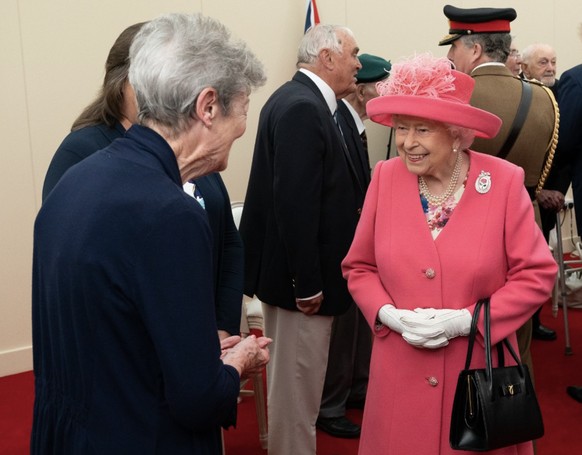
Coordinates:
438 200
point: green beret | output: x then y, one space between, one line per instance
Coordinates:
373 68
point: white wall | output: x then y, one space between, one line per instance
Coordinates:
53 54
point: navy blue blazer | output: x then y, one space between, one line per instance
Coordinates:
360 158
227 252
77 146
569 148
125 344
301 206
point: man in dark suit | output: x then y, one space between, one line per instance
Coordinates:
480 44
346 379
570 144
300 214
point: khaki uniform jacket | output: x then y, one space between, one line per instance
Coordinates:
498 91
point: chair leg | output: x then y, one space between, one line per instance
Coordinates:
261 409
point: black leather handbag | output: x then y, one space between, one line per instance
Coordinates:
493 407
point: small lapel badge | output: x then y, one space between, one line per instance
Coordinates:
483 182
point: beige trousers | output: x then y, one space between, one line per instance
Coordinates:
295 377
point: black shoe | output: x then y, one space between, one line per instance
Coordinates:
340 427
575 392
543 333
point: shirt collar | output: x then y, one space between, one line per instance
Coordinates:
326 91
356 117
488 64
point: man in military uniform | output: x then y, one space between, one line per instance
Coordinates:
480 44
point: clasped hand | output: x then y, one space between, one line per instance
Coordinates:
426 327
248 355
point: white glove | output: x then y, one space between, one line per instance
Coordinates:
390 317
453 323
423 341
429 338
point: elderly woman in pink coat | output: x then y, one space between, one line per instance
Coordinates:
442 226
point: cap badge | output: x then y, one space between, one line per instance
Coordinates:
483 182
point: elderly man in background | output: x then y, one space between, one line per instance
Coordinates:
346 379
127 357
480 44
539 63
301 210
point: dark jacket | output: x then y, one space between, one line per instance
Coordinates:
126 352
359 154
227 252
570 139
77 146
302 202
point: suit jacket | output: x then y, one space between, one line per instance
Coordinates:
302 201
353 140
570 143
126 351
490 246
227 253
498 91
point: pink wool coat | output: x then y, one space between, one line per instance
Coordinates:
491 246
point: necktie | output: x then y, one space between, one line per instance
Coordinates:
338 126
366 157
364 138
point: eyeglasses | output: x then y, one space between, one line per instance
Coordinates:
514 53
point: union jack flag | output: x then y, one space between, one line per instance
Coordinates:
312 16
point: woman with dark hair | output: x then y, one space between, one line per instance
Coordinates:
105 119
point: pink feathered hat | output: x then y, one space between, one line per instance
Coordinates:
427 87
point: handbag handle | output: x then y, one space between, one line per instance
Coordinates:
487 340
473 333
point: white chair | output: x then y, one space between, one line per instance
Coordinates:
252 318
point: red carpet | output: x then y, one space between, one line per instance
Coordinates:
553 372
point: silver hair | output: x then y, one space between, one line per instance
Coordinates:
176 56
317 38
495 45
528 53
465 135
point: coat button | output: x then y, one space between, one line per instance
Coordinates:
432 381
430 273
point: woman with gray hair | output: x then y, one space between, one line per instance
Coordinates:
127 357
